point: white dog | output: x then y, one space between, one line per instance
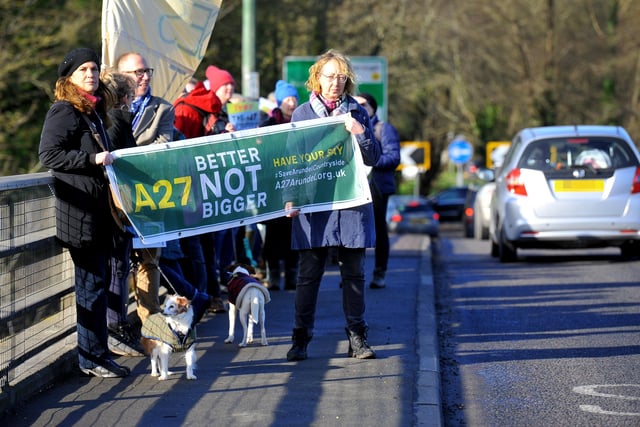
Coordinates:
248 297
168 331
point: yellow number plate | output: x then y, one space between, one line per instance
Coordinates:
576 185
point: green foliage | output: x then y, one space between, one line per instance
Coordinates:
34 36
491 123
406 187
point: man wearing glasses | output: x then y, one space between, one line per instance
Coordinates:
152 123
153 116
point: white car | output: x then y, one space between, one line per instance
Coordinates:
482 211
567 187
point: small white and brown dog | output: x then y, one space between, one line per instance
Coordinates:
168 331
247 296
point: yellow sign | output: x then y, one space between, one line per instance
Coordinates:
495 153
416 154
578 185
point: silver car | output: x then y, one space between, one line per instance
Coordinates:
567 187
482 211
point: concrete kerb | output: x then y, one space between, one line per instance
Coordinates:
427 406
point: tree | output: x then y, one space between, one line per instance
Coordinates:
34 36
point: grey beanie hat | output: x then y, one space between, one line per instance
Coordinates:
75 58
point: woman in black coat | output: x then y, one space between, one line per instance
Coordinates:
75 146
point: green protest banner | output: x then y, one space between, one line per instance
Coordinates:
190 187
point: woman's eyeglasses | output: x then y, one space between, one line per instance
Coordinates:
341 78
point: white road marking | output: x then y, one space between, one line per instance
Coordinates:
591 390
598 410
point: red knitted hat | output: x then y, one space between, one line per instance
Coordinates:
218 77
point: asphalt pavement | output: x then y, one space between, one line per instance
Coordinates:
256 386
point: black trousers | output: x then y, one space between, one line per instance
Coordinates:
380 202
92 277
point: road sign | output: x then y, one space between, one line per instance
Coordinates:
460 151
415 153
371 77
495 153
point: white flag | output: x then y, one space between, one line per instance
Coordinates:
172 35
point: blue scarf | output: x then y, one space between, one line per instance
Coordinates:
138 106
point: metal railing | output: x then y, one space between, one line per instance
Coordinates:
37 306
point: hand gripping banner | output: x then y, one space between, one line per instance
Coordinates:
190 187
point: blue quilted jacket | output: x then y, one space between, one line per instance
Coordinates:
353 227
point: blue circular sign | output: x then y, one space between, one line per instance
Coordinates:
460 151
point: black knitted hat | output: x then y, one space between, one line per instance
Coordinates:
76 58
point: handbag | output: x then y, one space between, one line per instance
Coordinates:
117 211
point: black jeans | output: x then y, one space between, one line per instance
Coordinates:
277 247
211 259
380 202
311 268
92 277
118 292
194 267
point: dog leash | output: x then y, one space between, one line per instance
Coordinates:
161 272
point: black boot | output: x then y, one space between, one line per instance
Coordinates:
378 279
300 341
273 278
358 346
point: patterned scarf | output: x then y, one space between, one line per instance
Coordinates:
138 106
325 108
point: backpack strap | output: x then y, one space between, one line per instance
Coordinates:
208 119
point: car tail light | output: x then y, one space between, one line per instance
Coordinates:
396 217
635 186
436 216
468 212
515 185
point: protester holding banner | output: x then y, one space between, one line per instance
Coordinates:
382 182
277 241
123 340
350 231
75 146
152 123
